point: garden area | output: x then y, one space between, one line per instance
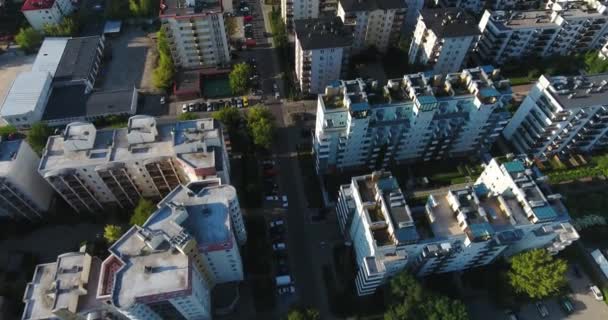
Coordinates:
556 65
574 168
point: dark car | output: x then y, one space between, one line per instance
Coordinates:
566 304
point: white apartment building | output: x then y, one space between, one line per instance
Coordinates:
377 23
292 10
23 192
167 268
66 289
443 39
322 50
98 169
41 12
196 33
561 115
417 118
478 6
505 212
603 53
568 28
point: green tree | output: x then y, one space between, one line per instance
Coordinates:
537 274
117 9
261 125
38 135
303 314
444 308
67 27
28 39
162 77
7 130
239 78
185 116
229 117
142 212
112 232
405 294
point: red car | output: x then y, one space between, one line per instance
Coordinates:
250 43
247 18
270 172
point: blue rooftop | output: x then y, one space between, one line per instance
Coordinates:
489 92
481 230
427 99
514 166
544 213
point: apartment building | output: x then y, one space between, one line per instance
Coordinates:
377 23
167 268
41 12
508 210
196 33
292 10
561 115
478 6
443 39
99 169
322 49
568 28
363 124
23 192
66 289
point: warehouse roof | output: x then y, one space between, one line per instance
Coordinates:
78 58
25 92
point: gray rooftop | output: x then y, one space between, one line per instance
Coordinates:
77 59
189 7
8 152
449 22
580 91
322 33
369 5
72 102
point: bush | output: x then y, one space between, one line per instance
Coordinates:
162 76
38 135
28 39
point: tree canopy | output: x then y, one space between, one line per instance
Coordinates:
261 124
185 116
7 130
38 135
229 117
28 39
410 300
239 78
537 274
142 212
67 27
162 76
112 232
303 314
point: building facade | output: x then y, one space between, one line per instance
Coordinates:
505 212
26 99
100 169
196 33
377 23
417 118
322 50
568 28
23 192
561 115
443 39
167 268
478 6
41 12
292 10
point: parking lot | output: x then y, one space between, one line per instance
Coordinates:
586 307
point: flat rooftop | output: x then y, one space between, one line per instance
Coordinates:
55 286
523 19
189 7
8 152
49 55
449 22
26 93
322 33
148 272
71 102
11 66
183 140
78 58
580 91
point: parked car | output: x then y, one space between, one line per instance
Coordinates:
192 107
184 108
286 289
247 18
272 198
566 304
597 294
542 309
163 100
279 246
285 203
245 102
268 161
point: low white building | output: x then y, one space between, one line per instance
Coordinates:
23 192
95 169
377 23
505 212
366 124
322 49
26 100
41 12
561 115
443 39
196 33
292 10
569 27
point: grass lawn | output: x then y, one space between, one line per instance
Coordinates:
516 81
